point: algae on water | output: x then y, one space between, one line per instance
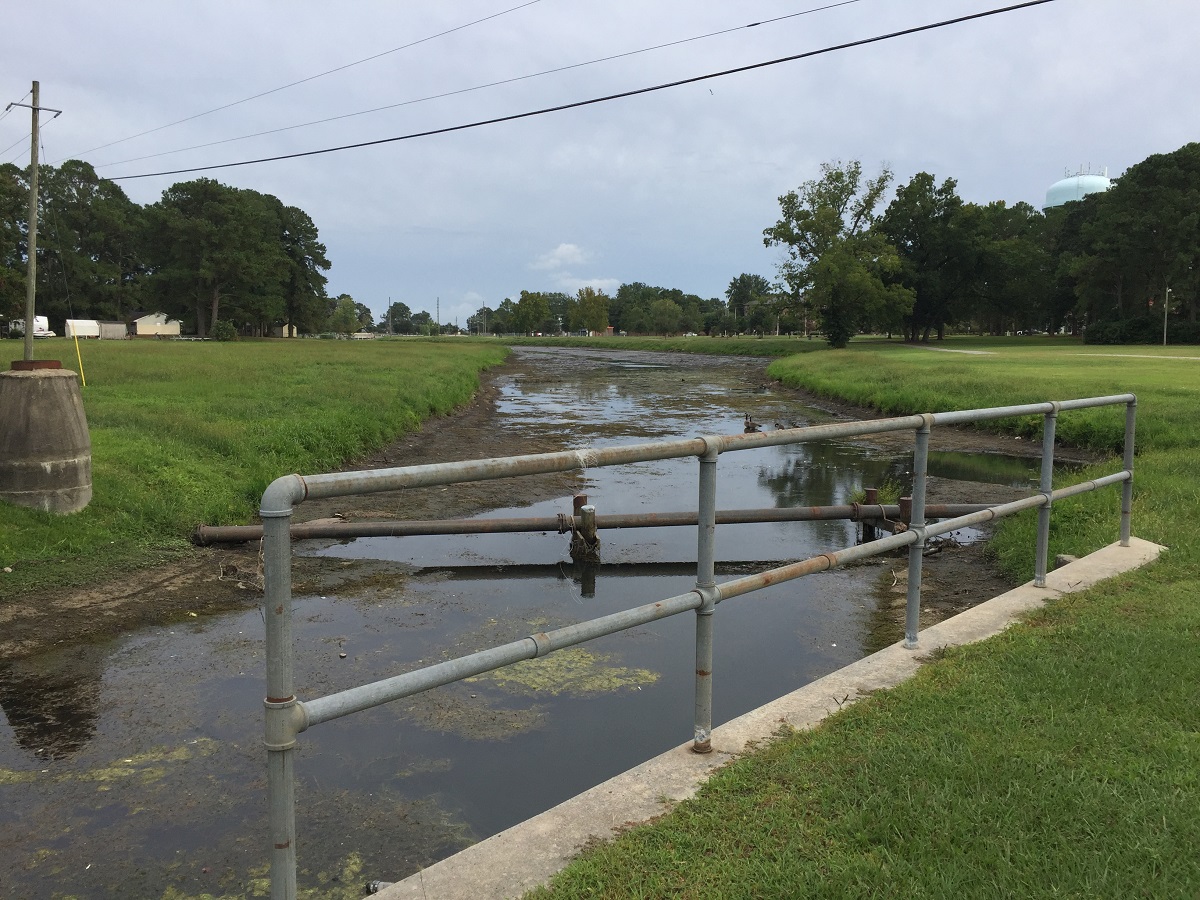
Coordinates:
573 671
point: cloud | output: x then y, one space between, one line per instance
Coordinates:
570 284
561 257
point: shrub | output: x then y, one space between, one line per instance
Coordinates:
224 330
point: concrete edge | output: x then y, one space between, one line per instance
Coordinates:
525 856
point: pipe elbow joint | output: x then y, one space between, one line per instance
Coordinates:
280 495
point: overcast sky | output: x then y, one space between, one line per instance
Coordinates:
671 188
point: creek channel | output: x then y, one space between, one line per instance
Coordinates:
134 767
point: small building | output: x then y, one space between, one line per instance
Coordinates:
154 325
83 328
363 336
285 331
113 331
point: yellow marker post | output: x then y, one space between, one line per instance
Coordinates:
78 356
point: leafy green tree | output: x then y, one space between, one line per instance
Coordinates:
14 211
423 323
665 316
938 248
1142 237
505 320
744 292
480 321
835 256
400 317
345 317
532 311
304 266
366 319
591 311
208 242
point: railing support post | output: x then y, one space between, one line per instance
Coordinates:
1046 486
916 550
280 738
706 543
1127 488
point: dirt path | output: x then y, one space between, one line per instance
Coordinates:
210 580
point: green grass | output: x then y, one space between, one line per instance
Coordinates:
187 433
1059 759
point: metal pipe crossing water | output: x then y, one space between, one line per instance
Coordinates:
286 716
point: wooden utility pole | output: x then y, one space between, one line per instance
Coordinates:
31 268
31 263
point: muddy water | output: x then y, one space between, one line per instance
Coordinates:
134 768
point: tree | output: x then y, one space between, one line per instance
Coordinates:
745 291
207 243
344 319
14 210
1143 237
665 316
304 267
481 320
591 311
835 256
936 242
532 311
399 317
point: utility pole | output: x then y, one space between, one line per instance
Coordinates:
438 315
31 263
1166 309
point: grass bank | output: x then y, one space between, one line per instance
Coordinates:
1059 759
185 433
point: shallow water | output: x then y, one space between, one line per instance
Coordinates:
133 766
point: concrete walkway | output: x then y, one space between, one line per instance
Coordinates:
527 855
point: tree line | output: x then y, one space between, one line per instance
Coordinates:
1109 265
205 253
1118 265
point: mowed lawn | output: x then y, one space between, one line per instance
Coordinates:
1060 759
185 433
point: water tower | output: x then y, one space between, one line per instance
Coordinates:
1076 187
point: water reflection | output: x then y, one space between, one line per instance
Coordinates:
51 701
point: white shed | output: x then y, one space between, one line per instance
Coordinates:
84 328
155 325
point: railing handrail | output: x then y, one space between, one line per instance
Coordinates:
286 716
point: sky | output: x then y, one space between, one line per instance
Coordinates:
672 188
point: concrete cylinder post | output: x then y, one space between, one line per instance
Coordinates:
1046 486
706 582
916 551
1127 488
45 448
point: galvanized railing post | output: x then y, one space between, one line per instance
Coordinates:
1127 488
912 612
1046 485
279 738
706 582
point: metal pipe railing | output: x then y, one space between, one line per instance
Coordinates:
286 717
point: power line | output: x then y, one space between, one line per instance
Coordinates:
314 77
480 87
8 109
595 100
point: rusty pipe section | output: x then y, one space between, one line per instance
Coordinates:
205 535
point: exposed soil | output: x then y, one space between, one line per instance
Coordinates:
208 580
